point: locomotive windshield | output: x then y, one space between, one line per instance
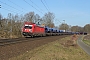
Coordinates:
29 27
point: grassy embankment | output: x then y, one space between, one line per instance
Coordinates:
86 40
57 50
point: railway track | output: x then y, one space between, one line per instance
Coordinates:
4 42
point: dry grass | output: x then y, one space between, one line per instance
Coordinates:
87 42
58 50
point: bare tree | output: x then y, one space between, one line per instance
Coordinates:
87 28
77 29
0 20
48 19
36 18
29 16
64 27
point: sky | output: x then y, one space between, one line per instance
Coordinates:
72 12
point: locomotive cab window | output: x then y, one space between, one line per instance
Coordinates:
28 27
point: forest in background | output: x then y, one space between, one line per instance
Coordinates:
10 26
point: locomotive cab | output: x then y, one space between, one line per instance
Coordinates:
28 29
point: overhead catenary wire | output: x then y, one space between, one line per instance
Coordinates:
8 10
32 6
17 5
45 6
10 6
36 5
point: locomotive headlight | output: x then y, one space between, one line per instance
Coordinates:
30 30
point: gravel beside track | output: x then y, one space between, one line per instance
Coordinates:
26 44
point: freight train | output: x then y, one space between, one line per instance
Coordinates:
31 29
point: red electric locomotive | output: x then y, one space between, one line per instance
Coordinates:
31 29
